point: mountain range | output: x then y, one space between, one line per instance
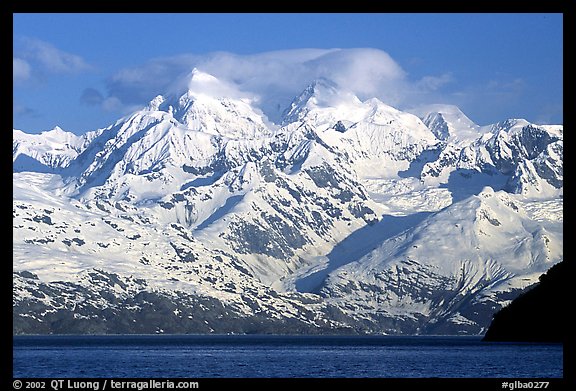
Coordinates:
196 214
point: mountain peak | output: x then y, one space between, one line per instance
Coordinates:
47 151
509 125
155 103
57 129
199 84
202 77
448 123
60 135
320 84
320 93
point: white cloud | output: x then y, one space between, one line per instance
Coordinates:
20 110
48 57
112 104
433 83
203 83
20 69
272 79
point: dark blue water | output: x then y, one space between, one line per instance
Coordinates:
279 356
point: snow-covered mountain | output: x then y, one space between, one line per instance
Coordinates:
196 214
449 123
377 139
47 151
490 246
527 158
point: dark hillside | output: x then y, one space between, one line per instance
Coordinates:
538 315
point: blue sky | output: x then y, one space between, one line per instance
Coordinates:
84 71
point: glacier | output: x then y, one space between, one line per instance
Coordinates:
197 214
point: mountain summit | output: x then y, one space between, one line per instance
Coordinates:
449 123
195 214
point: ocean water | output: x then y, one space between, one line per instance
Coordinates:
198 356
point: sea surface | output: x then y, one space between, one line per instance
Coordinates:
236 356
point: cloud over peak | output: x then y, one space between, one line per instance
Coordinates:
273 78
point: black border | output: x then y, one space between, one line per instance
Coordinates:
292 6
440 6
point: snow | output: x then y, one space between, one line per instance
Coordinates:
46 151
449 123
350 203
